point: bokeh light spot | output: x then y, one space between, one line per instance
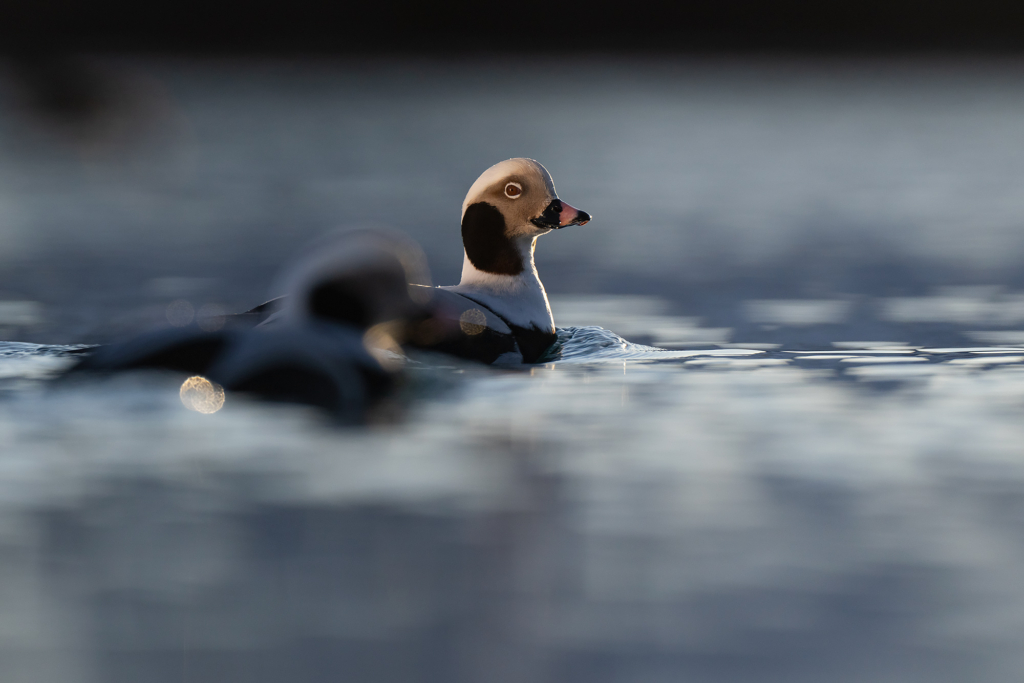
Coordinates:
473 321
201 395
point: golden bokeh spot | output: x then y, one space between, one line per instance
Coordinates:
201 395
473 321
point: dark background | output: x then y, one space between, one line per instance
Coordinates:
529 26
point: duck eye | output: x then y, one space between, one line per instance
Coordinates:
513 190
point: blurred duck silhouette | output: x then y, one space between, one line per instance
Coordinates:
355 299
332 343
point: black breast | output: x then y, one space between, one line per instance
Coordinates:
533 342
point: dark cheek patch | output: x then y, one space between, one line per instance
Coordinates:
487 246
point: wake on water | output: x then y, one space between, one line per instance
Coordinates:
594 344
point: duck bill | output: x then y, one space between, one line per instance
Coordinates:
570 215
558 214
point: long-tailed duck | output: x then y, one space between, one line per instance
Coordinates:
499 312
508 207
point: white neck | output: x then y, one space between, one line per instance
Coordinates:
519 299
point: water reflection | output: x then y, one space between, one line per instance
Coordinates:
638 518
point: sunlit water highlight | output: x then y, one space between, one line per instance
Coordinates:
618 513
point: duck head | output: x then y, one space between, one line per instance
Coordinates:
507 208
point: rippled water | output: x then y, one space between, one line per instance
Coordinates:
803 465
621 513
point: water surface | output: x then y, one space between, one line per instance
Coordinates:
714 515
803 465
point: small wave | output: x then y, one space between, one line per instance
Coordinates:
25 349
25 361
593 344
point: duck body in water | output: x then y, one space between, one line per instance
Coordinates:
500 305
508 207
